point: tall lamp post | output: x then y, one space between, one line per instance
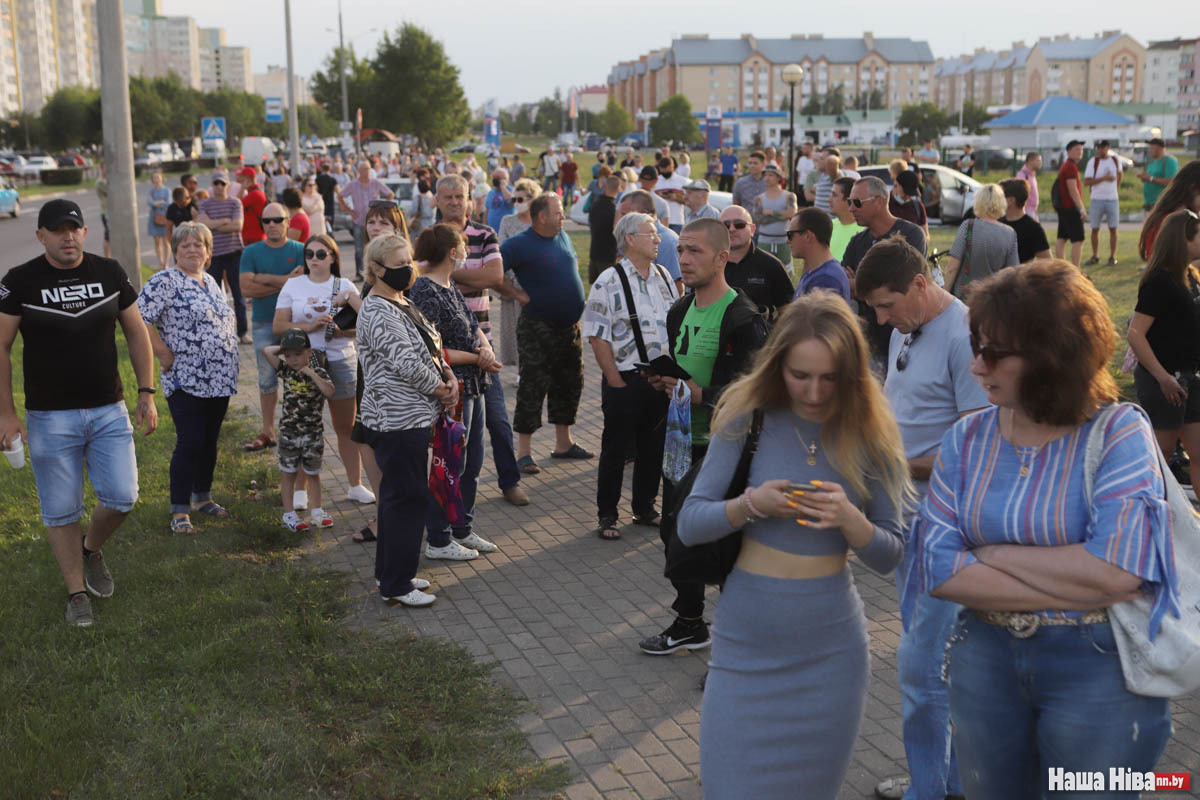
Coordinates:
342 66
792 74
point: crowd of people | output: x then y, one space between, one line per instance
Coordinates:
933 421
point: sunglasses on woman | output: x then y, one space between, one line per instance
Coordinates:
317 255
990 353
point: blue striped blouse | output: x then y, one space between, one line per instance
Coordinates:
978 497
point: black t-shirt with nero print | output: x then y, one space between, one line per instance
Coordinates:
68 326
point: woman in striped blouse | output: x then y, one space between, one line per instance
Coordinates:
405 384
1034 677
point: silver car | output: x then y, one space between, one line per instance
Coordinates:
948 194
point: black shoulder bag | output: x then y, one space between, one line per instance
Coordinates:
708 563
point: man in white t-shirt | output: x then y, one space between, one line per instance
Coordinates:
669 187
550 164
804 163
1103 174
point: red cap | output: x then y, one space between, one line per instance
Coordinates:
246 172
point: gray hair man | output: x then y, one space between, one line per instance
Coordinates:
695 200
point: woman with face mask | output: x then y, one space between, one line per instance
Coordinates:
443 250
524 191
407 384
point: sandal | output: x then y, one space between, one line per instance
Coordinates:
652 521
213 510
608 530
527 465
260 442
892 788
182 525
574 451
365 535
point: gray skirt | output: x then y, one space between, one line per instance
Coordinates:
786 689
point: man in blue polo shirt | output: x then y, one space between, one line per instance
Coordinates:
265 267
809 234
549 341
729 168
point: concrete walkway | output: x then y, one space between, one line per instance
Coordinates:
560 612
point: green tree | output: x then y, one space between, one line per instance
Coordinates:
922 121
149 113
21 131
675 121
973 118
326 84
614 121
876 97
70 118
813 106
834 101
549 118
416 88
184 105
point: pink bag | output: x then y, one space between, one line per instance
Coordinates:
449 444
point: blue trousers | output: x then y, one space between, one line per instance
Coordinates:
501 434
403 458
1055 699
197 428
468 482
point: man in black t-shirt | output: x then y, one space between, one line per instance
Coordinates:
66 304
326 186
756 272
1031 236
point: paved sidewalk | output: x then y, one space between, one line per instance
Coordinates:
560 613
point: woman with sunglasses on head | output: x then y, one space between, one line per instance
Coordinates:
309 302
1165 336
787 683
1007 531
314 206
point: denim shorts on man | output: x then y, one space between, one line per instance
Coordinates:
263 337
62 442
1104 210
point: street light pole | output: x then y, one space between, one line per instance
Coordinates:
791 75
342 66
293 117
118 138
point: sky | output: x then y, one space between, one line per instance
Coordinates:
523 53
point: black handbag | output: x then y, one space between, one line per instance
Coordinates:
712 562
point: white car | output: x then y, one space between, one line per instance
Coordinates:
718 200
35 166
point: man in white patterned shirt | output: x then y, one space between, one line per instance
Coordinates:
633 409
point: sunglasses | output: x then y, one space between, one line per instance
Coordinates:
902 356
273 220
739 224
796 232
858 202
990 354
380 204
317 255
517 199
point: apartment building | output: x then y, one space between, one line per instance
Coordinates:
45 44
1108 68
1188 96
1161 69
157 46
273 83
223 66
745 74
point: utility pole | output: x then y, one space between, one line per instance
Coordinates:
118 138
293 118
342 68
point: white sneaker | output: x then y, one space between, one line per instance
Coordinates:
476 542
320 519
451 552
417 583
360 494
292 521
415 598
300 499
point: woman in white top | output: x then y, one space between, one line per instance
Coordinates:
308 302
314 206
683 167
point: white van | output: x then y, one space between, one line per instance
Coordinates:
256 150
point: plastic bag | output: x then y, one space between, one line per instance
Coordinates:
677 453
449 444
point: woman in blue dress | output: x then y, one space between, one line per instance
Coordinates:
157 199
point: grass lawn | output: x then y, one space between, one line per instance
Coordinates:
220 668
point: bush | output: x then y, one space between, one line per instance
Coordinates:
63 176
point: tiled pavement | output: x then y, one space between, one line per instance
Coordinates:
560 612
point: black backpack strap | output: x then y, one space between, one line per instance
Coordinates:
741 475
633 315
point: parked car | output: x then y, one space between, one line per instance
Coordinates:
406 194
11 164
718 200
10 199
948 194
463 148
36 165
71 160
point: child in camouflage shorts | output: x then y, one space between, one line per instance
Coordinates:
306 384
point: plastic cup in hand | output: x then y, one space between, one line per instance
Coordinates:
16 452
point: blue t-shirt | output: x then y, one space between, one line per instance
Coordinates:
262 258
668 250
497 208
729 164
830 276
548 270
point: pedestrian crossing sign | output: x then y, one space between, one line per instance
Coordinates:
212 128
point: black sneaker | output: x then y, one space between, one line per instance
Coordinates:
1181 471
682 635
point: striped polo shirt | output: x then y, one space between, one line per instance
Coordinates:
223 241
482 248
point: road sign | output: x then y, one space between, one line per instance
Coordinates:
274 109
212 128
712 128
346 126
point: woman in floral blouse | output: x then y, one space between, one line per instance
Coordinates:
194 336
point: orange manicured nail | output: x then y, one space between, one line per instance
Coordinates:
797 493
801 522
792 505
816 483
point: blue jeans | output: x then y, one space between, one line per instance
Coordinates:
360 244
228 266
435 519
501 434
925 704
268 381
61 442
1056 699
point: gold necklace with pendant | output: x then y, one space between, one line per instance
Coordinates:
811 447
1026 462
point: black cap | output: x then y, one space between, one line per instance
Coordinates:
56 212
1072 143
648 173
1157 142
1102 143
294 339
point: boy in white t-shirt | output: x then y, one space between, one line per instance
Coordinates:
1103 175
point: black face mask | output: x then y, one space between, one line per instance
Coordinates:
422 186
665 174
399 278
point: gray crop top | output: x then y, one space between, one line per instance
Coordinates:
781 455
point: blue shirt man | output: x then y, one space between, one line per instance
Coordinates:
499 205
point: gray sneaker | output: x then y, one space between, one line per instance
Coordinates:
79 611
96 576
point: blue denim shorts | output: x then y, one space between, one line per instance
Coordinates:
1102 210
263 337
62 442
344 374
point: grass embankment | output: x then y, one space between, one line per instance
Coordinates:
220 667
